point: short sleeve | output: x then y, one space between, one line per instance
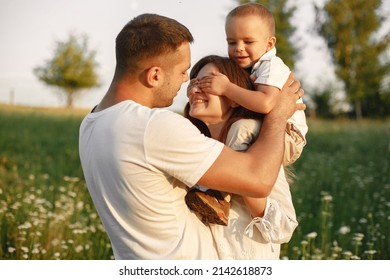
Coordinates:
272 72
176 147
242 134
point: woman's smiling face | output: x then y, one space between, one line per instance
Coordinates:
211 109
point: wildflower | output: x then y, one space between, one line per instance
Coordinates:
55 242
358 237
347 255
327 198
31 177
311 235
79 205
71 179
24 249
16 205
344 230
336 248
72 194
93 216
26 225
370 252
35 251
317 257
79 248
11 250
78 231
363 221
92 228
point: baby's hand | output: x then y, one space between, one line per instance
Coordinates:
216 83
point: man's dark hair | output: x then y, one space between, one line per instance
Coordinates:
147 36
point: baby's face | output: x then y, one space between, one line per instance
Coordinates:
248 39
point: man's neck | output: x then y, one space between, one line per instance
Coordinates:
121 91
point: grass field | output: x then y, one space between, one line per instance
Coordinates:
341 193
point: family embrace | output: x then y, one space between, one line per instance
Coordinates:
211 184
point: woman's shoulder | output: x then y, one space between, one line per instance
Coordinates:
246 124
242 133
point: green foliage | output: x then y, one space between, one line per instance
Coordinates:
72 67
342 192
45 209
284 29
350 28
322 101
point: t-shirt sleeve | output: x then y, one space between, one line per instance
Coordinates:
176 147
272 73
242 134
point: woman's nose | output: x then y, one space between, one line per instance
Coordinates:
193 87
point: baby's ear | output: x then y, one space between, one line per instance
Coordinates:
271 43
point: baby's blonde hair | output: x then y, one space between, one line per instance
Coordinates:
254 9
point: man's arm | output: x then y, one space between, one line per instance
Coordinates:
254 172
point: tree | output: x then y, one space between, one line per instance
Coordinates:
71 69
350 29
322 101
284 29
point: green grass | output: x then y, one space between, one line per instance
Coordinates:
341 194
45 209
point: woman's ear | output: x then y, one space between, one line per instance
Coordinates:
153 76
271 43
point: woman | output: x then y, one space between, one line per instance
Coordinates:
256 226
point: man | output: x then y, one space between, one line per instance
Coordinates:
138 158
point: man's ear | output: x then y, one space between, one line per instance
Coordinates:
271 43
154 76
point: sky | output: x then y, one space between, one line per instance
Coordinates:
29 30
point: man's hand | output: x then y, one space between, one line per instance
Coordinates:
216 84
287 99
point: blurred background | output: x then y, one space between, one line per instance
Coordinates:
310 40
57 60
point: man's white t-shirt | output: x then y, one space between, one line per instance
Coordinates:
137 162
